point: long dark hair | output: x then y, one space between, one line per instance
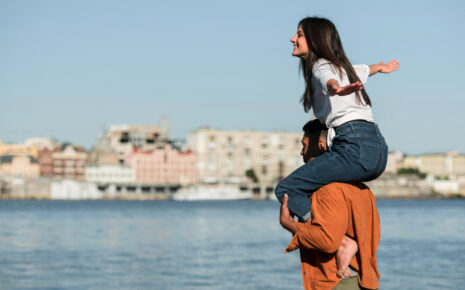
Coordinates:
323 41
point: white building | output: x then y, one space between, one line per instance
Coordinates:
446 186
41 143
232 156
72 189
450 164
110 173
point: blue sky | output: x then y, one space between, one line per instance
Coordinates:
68 69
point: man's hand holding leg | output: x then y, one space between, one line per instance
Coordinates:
285 217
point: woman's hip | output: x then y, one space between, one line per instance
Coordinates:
363 143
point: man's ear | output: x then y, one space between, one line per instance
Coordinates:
322 146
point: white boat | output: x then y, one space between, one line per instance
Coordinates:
211 192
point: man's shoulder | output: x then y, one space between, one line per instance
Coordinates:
354 194
344 187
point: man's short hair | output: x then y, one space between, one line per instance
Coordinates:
313 127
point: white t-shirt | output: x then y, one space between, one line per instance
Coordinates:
334 110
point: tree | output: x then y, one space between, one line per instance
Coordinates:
411 170
250 173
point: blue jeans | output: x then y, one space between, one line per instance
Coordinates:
359 153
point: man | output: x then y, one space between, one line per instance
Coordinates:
337 210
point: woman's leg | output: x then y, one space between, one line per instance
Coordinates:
359 153
332 166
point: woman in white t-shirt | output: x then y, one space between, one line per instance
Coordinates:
334 92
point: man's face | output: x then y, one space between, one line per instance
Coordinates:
304 150
310 147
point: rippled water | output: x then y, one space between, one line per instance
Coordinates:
208 245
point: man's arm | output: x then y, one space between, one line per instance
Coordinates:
328 224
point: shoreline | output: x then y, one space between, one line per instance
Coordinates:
164 198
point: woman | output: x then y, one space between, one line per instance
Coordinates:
334 91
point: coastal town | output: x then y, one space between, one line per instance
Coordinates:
144 162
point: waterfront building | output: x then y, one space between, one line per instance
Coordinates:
18 150
74 190
410 162
458 164
244 156
393 185
69 163
124 138
434 164
40 149
4 190
461 181
103 152
41 143
393 161
446 186
45 161
24 166
110 173
165 165
26 188
438 164
104 166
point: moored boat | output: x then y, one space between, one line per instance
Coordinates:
211 192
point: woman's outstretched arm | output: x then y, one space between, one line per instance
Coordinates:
384 67
334 89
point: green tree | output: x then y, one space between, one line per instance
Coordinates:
411 170
250 173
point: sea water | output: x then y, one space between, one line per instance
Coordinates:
208 245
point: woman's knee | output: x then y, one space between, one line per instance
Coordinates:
287 186
280 191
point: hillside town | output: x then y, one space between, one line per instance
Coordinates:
145 162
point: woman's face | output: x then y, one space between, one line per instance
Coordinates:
300 44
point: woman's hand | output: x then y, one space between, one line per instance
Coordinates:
389 67
334 88
384 67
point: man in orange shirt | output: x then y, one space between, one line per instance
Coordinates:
338 211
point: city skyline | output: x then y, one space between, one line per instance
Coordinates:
70 69
182 139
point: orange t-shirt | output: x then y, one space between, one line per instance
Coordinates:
338 209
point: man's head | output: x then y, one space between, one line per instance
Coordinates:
314 140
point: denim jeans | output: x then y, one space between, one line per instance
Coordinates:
359 153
